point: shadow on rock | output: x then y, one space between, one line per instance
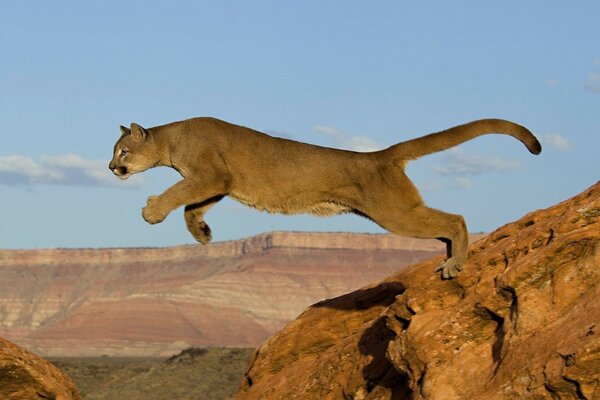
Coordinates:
380 372
383 294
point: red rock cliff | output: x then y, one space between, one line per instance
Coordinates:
522 321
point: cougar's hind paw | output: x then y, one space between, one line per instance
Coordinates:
201 232
450 268
197 227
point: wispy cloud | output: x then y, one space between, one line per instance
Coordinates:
67 170
556 141
593 83
458 162
280 134
462 182
457 165
348 142
458 182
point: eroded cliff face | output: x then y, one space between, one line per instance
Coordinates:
74 302
521 321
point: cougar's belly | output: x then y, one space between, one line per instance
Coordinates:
292 205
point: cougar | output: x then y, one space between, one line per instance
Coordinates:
218 159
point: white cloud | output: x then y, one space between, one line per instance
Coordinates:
593 83
556 141
348 142
432 186
280 134
328 130
459 182
458 162
462 182
68 170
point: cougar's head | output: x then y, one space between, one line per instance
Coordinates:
134 152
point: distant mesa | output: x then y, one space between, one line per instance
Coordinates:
159 301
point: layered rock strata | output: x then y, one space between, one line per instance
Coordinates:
158 301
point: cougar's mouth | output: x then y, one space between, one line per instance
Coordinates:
121 172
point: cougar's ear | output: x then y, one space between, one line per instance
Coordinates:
139 131
125 131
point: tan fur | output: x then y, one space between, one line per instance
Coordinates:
218 159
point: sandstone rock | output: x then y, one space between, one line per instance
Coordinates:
522 321
25 376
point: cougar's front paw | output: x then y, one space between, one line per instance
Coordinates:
152 213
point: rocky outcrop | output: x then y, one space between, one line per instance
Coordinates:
25 376
158 301
522 321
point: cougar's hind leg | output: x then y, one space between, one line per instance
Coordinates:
194 219
425 222
457 247
397 207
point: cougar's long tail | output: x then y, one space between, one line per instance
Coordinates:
439 141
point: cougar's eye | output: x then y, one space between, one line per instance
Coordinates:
124 152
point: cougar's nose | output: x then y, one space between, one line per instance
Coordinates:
111 166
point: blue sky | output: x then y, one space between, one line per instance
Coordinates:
355 75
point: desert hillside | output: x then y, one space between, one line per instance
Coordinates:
157 301
522 321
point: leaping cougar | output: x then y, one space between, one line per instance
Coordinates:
218 159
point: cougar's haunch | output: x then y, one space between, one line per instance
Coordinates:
218 159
